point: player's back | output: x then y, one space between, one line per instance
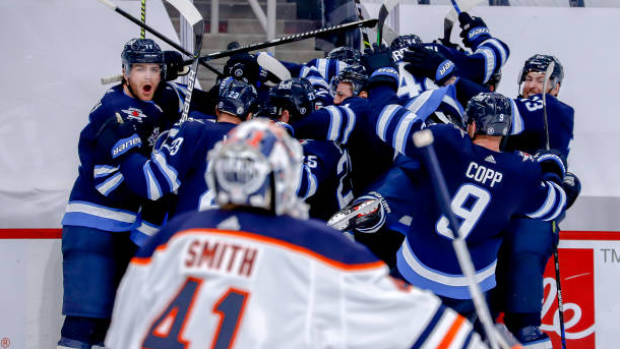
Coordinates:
487 189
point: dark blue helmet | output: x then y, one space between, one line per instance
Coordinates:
236 97
539 63
295 95
143 51
492 113
345 54
355 75
405 41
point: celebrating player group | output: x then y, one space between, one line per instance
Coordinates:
377 198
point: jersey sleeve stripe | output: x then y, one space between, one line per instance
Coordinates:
547 206
451 335
385 117
351 119
171 175
153 189
147 228
499 50
489 59
517 121
403 131
110 184
271 241
104 170
335 124
430 327
561 202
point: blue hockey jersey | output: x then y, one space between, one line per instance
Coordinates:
528 125
100 197
487 189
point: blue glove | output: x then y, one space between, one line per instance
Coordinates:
118 137
572 188
377 57
553 165
424 61
473 30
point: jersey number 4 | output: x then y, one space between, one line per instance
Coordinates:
167 330
468 204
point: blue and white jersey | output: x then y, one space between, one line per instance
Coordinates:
237 279
528 125
487 189
409 85
100 197
326 184
177 165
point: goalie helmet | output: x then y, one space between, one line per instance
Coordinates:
405 41
236 97
539 63
258 165
143 51
295 95
492 113
345 54
355 75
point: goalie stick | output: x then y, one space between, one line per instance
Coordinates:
452 16
384 12
556 260
423 140
193 17
117 78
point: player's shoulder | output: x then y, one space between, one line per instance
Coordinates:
449 133
522 164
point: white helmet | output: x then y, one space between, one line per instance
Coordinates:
257 165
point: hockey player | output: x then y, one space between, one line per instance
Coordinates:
529 242
101 211
326 183
176 165
488 189
207 278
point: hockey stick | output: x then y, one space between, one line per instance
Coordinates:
193 17
453 14
369 23
424 141
142 18
556 259
384 12
272 65
116 78
360 16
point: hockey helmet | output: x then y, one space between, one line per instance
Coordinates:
355 75
143 51
492 113
539 63
405 41
345 54
295 95
236 97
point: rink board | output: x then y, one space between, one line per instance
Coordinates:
31 296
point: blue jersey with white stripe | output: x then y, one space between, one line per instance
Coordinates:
178 164
528 125
487 189
327 183
100 197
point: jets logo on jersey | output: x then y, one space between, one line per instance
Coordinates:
525 156
134 113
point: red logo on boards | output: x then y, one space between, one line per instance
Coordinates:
577 281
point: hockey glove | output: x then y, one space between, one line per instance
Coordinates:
366 214
174 65
117 137
553 165
572 188
473 30
430 63
379 64
452 45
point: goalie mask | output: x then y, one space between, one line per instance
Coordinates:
258 165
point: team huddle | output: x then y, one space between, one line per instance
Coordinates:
294 207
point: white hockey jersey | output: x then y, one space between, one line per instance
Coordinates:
236 279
